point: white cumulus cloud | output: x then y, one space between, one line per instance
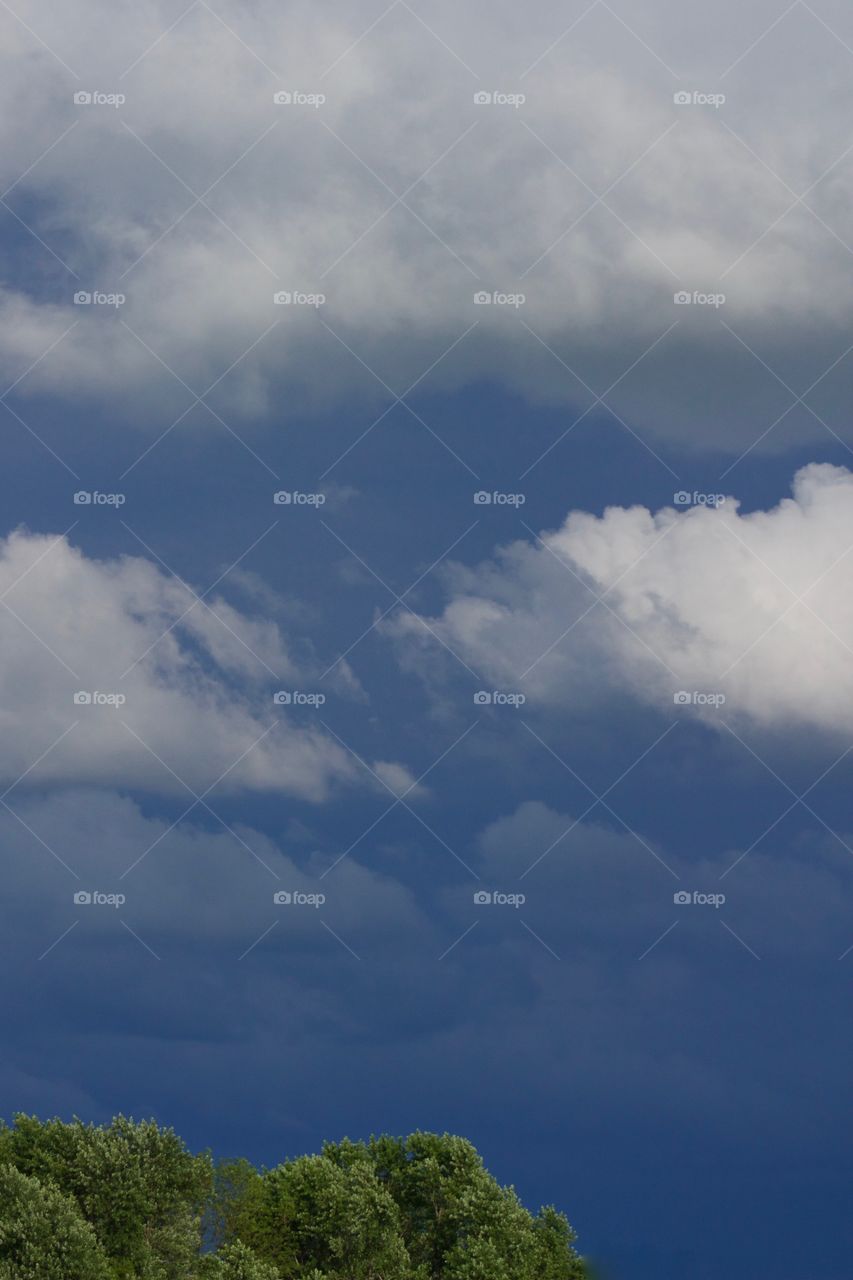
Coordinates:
113 673
698 600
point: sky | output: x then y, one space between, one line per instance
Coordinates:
425 595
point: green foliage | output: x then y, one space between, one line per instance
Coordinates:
459 1223
128 1201
43 1235
136 1184
235 1262
420 1208
237 1188
312 1213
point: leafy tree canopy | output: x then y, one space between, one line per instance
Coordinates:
136 1184
128 1201
43 1235
235 1262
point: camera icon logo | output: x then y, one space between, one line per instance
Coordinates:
482 298
482 498
82 498
283 98
482 99
83 898
82 698
82 298
82 98
482 898
283 298
283 698
681 898
682 498
482 698
682 698
282 898
682 298
282 498
682 99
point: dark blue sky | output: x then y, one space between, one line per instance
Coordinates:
674 1075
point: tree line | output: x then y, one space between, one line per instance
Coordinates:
130 1201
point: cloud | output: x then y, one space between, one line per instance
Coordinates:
697 601
187 885
298 198
398 780
115 674
608 891
299 1003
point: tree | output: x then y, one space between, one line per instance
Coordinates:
237 1185
137 1185
419 1208
236 1262
458 1222
314 1214
128 1201
553 1241
43 1235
